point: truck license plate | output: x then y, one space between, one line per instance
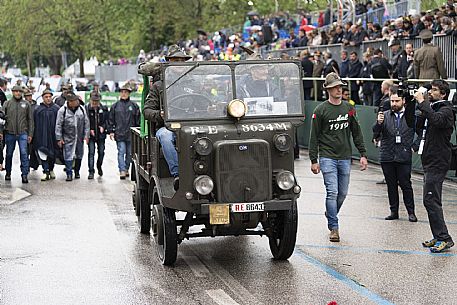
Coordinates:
247 207
219 214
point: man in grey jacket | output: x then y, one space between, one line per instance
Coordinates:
19 128
72 129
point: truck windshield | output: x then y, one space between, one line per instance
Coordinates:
203 91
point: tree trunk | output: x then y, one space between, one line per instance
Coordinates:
81 63
29 65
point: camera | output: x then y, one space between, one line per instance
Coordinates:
406 89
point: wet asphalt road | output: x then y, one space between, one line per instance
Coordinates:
78 243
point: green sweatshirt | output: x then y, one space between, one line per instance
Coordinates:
331 130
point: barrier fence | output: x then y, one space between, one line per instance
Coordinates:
447 44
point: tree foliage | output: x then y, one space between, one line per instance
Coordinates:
37 32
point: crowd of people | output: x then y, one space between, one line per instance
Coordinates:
55 131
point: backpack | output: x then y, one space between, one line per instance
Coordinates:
378 70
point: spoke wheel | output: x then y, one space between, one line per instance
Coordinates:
165 234
284 226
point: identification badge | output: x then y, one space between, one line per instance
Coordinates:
421 147
398 139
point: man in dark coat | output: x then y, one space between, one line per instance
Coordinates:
355 66
380 69
60 100
307 66
330 65
3 84
98 120
44 138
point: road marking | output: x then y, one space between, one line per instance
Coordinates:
235 287
368 250
13 196
343 279
220 297
196 266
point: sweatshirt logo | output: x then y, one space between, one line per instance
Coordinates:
340 118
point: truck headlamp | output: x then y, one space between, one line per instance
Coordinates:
203 184
237 108
203 146
282 142
285 180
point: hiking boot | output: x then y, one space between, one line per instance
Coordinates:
127 173
392 216
429 243
122 175
52 175
45 177
8 176
69 178
441 246
24 179
334 235
100 171
412 218
91 176
176 183
77 175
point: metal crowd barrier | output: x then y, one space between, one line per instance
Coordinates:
447 44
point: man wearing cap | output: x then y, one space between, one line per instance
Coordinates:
428 60
123 115
19 128
44 139
28 96
72 129
398 60
330 151
98 121
154 113
60 100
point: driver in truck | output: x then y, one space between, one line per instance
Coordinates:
154 113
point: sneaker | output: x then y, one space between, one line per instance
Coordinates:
52 175
91 176
441 246
45 177
334 235
429 243
412 218
77 175
24 179
100 171
122 175
69 178
8 176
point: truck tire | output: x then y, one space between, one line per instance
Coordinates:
143 210
284 226
165 234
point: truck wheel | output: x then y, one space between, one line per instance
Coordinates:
142 209
165 234
284 226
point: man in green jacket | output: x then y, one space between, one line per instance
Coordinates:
334 122
18 128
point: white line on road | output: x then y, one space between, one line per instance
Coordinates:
196 266
220 297
8 196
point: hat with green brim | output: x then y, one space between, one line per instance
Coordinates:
18 88
333 80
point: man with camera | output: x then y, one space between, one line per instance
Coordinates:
437 122
395 153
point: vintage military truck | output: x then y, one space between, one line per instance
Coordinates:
234 124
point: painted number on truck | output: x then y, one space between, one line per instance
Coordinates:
263 127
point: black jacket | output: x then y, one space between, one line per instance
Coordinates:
354 72
436 155
123 115
307 66
98 117
365 72
2 97
390 151
153 105
380 68
332 66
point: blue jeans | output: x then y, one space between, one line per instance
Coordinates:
10 141
167 139
100 153
336 175
124 155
